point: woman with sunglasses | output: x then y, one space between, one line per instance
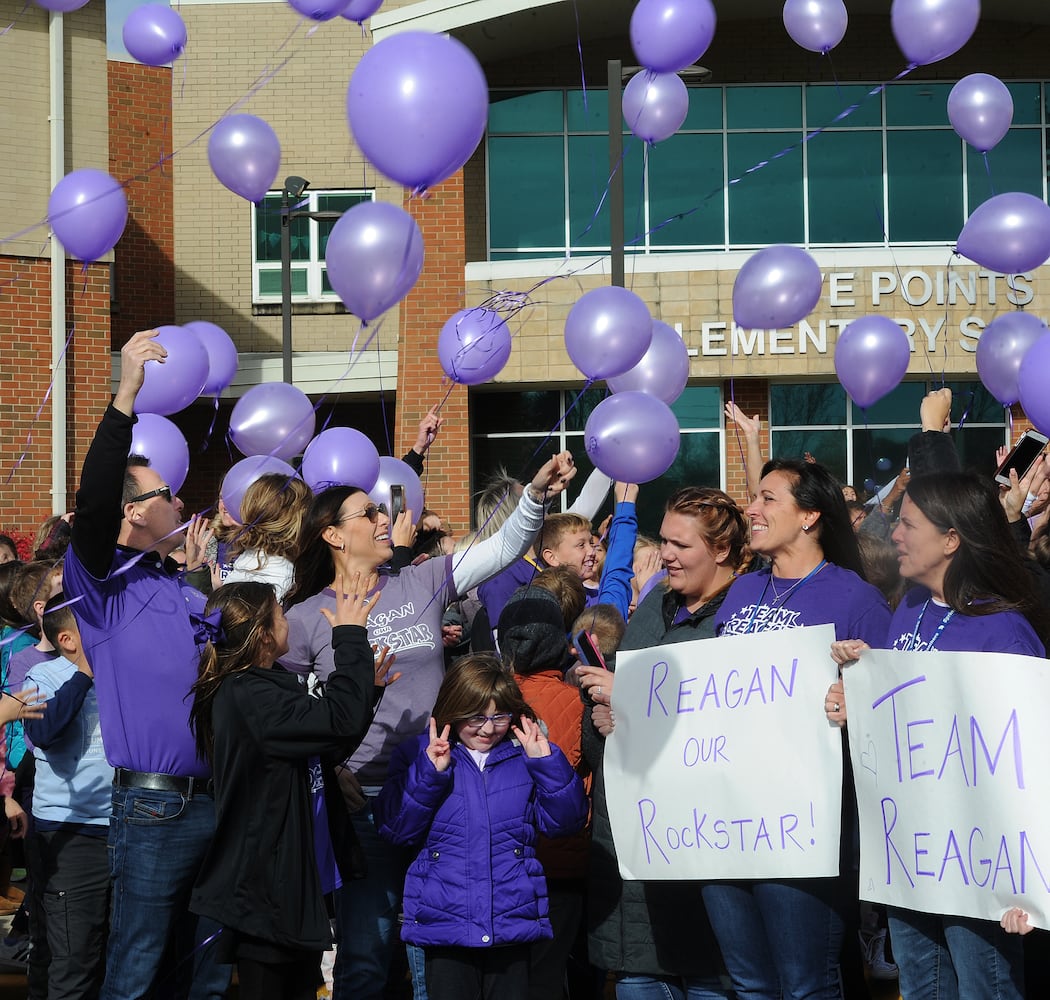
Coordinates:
346 533
784 937
470 798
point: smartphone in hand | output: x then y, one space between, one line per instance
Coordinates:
1022 456
397 501
587 651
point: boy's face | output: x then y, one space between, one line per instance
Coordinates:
575 550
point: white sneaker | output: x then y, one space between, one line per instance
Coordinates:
873 948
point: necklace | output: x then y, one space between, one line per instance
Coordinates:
779 597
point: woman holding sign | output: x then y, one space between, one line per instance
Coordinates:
783 938
971 593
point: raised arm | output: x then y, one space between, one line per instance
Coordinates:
750 430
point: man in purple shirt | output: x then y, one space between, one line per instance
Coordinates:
142 629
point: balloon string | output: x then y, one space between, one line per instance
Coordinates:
988 171
579 51
966 412
25 7
211 426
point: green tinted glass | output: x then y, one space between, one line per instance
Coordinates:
526 193
588 111
270 281
901 406
698 463
925 186
765 205
685 191
879 454
921 103
763 107
975 402
588 187
806 404
699 406
1028 107
827 447
705 108
859 105
525 111
845 188
1016 164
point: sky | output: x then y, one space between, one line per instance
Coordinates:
116 11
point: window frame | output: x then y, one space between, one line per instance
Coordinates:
314 266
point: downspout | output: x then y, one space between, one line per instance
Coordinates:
57 117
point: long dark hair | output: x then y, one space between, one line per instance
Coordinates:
987 572
248 612
814 488
314 568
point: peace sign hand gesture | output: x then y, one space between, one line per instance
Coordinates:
439 750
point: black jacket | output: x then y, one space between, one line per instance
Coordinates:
658 928
260 875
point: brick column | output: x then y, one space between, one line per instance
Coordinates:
752 396
421 382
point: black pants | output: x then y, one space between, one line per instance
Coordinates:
478 973
75 883
292 980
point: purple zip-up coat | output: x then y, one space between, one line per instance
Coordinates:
476 881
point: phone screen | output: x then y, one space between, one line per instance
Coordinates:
1021 458
587 651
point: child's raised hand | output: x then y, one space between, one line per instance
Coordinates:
384 661
531 738
439 750
352 608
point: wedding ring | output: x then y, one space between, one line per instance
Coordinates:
598 689
835 706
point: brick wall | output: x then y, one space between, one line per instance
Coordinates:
421 380
752 396
25 377
139 139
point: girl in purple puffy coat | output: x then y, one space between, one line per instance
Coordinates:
472 795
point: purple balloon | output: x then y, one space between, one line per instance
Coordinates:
817 25
871 358
418 105
272 419
608 331
632 437
1034 384
154 34
236 482
655 105
981 110
88 211
775 288
222 355
361 10
61 6
394 471
245 155
663 370
473 346
1009 233
374 257
318 10
668 35
340 456
158 439
930 30
172 385
1002 348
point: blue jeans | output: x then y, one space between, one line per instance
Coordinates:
779 939
366 916
634 987
157 841
944 957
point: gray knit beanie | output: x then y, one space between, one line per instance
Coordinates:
531 632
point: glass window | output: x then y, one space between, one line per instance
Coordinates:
685 176
1016 164
309 240
827 447
588 111
880 453
705 109
805 404
527 111
698 463
503 412
1028 106
526 191
859 105
901 406
699 406
925 186
763 107
588 183
765 204
845 188
917 103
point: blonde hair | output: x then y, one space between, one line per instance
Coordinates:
272 513
556 527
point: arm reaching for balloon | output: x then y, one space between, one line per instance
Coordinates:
750 430
485 559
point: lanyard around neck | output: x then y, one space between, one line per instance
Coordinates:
752 625
913 639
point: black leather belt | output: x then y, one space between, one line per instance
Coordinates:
189 787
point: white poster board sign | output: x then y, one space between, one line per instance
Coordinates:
722 763
950 755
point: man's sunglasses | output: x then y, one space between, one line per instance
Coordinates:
161 491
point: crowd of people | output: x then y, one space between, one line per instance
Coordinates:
241 744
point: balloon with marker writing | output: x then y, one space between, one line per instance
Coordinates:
473 346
